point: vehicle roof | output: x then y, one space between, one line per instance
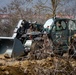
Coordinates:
59 18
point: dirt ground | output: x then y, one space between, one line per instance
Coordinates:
48 66
39 62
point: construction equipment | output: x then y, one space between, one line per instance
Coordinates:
21 40
61 39
11 46
30 38
32 35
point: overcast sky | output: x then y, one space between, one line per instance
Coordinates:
4 2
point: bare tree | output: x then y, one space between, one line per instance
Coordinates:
55 4
70 8
16 11
51 6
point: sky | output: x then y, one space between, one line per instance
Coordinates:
4 2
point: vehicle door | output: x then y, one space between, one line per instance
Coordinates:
72 27
60 37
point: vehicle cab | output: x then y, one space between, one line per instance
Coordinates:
60 37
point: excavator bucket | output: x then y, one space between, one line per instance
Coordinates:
10 47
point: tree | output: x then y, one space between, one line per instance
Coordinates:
55 4
51 6
16 11
70 8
